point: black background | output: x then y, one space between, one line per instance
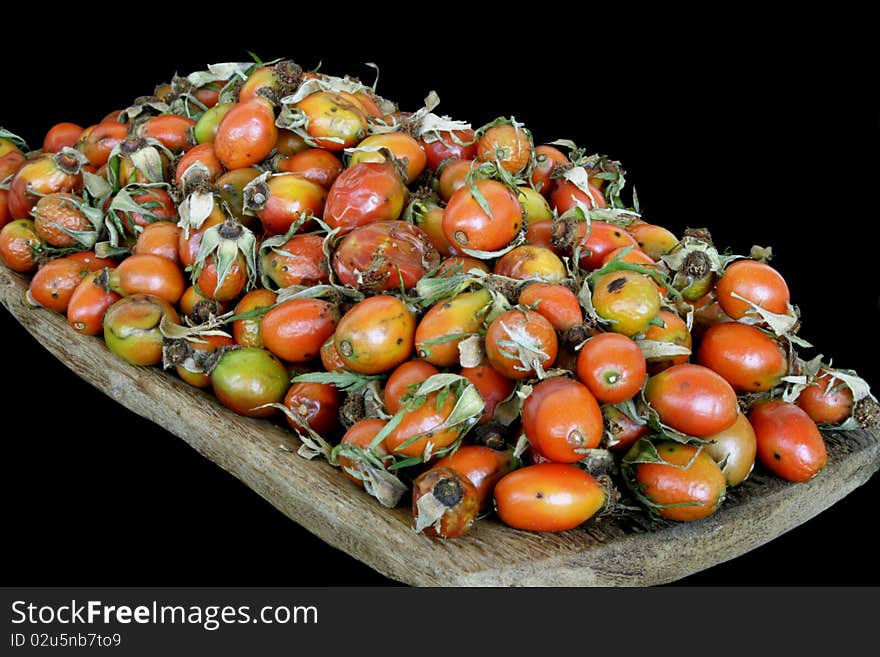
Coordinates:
764 141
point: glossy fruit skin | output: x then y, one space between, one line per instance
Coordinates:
826 400
459 264
747 358
404 379
247 378
290 143
232 285
61 135
54 283
756 281
507 144
531 263
330 358
561 417
314 164
231 186
295 330
18 241
567 195
361 434
461 315
299 261
364 193
692 399
789 442
431 222
456 492
736 447
159 238
91 261
375 335
131 328
246 134
674 331
621 431
288 198
206 127
401 146
627 300
384 256
535 206
11 158
246 332
47 174
203 154
453 176
97 142
612 367
483 467
262 80
149 274
546 159
654 240
540 233
5 217
555 302
333 117
209 343
315 405
157 204
699 489
493 387
170 130
421 429
533 328
88 303
602 239
636 256
455 144
547 497
467 225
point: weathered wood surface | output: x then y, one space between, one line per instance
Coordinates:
627 550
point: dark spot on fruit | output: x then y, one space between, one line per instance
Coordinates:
334 108
616 233
616 285
539 495
446 304
448 491
684 385
307 356
399 340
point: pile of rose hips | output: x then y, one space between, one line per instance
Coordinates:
454 312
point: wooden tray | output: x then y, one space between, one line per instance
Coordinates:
630 550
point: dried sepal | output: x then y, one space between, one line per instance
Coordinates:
782 325
225 242
470 351
522 346
509 410
659 349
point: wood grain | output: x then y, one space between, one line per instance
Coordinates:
619 550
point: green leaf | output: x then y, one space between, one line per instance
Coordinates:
481 200
343 380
